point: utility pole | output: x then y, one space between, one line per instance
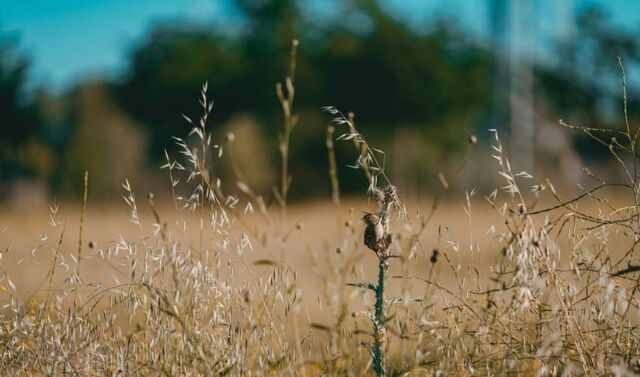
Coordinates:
499 25
512 113
521 97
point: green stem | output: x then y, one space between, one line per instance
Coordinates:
379 324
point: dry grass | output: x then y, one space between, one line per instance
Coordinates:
520 280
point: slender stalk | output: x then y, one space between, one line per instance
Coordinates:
54 263
333 170
84 208
333 176
290 121
632 143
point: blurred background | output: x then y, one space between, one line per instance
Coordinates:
101 85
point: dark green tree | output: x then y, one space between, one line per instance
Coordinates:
584 85
19 116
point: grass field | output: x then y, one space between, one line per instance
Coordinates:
292 284
520 280
31 238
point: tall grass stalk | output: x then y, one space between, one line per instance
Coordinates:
290 122
85 193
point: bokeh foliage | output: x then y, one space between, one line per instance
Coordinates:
428 88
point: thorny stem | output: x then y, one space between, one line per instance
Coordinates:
377 353
388 198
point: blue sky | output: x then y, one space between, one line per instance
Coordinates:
69 40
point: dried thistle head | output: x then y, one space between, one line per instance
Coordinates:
390 197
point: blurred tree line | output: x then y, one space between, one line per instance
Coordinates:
417 94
